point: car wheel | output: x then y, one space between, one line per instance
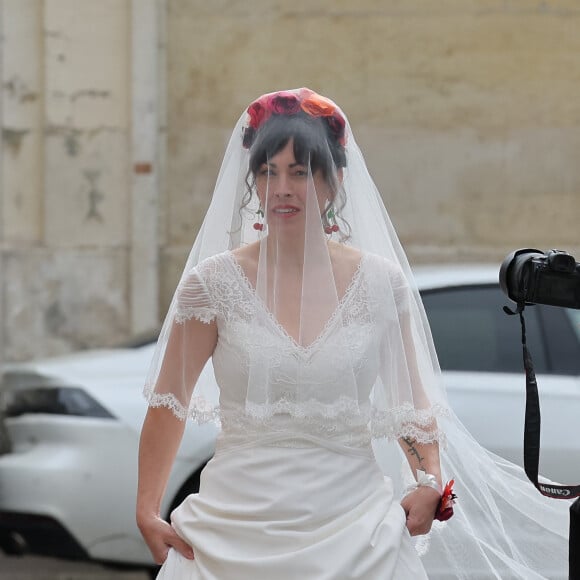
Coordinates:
190 486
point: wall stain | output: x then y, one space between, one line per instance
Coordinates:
18 200
12 139
17 89
54 318
95 196
71 138
72 144
91 94
54 34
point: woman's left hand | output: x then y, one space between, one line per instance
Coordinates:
420 506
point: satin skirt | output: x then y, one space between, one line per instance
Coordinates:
277 512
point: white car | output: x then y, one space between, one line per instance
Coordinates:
480 352
68 480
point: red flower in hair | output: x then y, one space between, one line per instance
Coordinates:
445 507
336 124
284 103
290 103
258 114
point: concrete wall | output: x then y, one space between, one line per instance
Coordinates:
68 237
467 112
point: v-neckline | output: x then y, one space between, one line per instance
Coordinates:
251 290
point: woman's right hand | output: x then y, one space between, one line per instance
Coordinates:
160 536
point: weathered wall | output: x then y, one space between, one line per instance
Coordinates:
466 111
64 185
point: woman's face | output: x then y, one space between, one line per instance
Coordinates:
284 182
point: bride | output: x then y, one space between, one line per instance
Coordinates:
298 290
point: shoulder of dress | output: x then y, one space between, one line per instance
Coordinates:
223 281
212 265
375 263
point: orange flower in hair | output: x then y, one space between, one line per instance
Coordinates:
318 106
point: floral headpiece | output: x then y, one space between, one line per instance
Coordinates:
291 103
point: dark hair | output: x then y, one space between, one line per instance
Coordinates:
312 140
313 143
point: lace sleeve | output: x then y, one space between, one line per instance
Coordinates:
408 396
401 290
180 377
194 300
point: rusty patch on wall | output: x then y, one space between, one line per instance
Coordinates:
143 168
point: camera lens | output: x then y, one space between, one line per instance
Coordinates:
511 274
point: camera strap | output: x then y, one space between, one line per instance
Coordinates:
532 454
533 423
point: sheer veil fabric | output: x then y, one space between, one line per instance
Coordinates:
327 273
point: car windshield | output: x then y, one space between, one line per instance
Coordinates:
575 320
472 333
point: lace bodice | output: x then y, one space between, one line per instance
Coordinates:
323 390
356 381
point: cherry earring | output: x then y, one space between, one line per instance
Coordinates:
331 226
258 225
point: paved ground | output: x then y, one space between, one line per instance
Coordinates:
32 568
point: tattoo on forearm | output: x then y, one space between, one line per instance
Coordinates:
414 451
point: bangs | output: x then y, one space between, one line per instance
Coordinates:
309 142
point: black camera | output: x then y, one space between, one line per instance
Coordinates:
530 276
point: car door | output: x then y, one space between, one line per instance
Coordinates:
480 354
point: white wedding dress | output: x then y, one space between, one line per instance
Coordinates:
293 495
295 490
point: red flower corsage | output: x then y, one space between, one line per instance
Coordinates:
445 507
